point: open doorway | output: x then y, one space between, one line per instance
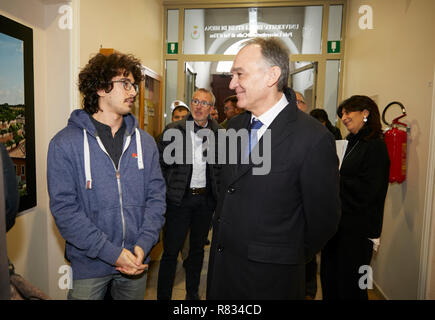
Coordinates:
190 78
205 74
220 88
304 80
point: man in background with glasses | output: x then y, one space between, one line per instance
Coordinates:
191 195
107 192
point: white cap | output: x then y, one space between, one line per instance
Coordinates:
177 103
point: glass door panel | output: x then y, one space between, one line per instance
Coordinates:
304 80
216 31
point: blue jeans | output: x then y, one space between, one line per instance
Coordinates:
123 287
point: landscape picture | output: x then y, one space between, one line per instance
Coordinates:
16 105
12 118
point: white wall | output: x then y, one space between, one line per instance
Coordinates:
395 61
129 26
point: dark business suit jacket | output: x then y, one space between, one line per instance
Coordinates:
267 226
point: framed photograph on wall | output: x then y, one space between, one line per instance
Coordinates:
17 127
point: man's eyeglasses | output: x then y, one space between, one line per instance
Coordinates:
300 102
203 103
127 84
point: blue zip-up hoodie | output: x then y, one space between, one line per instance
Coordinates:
100 210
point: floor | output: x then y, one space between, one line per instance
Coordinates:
179 293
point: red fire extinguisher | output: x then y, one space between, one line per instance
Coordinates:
396 140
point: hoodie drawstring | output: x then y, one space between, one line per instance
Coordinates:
87 161
88 158
139 150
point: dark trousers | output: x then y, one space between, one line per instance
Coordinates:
194 214
311 278
341 260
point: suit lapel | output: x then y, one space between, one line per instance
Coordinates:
280 129
243 123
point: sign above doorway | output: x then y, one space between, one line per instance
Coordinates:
334 46
172 48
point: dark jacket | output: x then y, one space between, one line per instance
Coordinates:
98 209
364 177
178 175
267 226
10 188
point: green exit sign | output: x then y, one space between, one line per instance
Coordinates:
172 47
334 46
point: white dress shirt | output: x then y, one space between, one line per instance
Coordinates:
270 115
199 165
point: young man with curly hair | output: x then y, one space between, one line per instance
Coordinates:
107 193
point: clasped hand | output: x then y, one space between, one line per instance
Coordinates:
131 264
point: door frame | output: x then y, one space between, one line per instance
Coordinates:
426 285
314 66
321 58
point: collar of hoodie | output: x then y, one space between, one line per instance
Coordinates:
80 118
87 158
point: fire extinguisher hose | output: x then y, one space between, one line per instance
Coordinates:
395 121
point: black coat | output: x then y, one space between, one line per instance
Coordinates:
267 226
178 175
364 177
